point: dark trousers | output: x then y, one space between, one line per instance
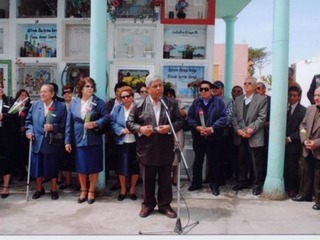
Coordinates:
149 176
310 178
258 162
291 166
211 148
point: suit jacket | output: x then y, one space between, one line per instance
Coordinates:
157 149
75 128
293 130
118 122
36 119
311 123
256 117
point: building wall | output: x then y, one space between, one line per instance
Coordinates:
240 71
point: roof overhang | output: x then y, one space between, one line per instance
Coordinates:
230 8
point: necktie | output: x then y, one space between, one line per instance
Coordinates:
289 111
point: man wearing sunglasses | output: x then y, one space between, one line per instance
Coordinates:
250 112
207 118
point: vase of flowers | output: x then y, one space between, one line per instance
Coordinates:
180 8
188 52
195 85
166 50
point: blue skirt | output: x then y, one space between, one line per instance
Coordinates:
44 165
89 159
128 164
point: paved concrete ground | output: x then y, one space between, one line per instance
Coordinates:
231 213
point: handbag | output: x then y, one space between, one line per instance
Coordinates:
56 139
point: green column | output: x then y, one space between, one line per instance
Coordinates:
229 55
274 184
98 43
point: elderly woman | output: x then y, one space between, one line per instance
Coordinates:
87 116
46 119
128 167
6 141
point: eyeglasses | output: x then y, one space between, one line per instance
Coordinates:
247 83
143 91
236 91
88 86
125 96
258 88
65 92
204 89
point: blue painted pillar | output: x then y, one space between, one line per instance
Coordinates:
274 184
98 43
229 55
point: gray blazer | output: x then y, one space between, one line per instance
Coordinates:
311 123
256 117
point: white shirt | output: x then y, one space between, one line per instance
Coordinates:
293 107
46 108
156 109
84 107
248 100
128 138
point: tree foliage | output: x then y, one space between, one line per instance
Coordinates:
257 58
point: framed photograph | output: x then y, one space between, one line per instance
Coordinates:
184 80
131 74
134 41
31 77
6 76
185 42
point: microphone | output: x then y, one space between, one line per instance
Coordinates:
164 104
201 116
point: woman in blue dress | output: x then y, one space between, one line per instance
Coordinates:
45 118
87 117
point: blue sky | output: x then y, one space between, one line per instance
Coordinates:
255 23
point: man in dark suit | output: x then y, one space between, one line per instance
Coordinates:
293 150
155 145
248 121
310 139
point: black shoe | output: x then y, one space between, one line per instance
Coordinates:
256 191
215 190
300 198
91 200
5 195
133 196
239 187
38 194
54 195
121 197
194 187
81 200
316 206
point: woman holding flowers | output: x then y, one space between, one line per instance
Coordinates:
87 116
6 141
46 118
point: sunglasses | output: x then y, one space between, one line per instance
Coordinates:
247 83
258 88
125 96
204 89
88 86
65 92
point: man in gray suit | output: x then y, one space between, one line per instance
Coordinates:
295 115
310 138
248 121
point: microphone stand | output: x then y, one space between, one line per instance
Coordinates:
178 227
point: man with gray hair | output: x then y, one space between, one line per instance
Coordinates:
155 145
249 116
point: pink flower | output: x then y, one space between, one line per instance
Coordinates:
250 130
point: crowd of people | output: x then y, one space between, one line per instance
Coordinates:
231 134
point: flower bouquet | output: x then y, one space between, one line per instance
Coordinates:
87 118
180 8
195 85
48 117
18 106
